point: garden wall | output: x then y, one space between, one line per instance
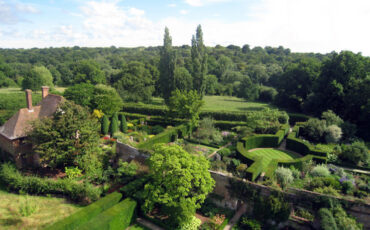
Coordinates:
129 153
297 197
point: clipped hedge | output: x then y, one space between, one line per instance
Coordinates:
302 147
255 169
115 218
84 215
15 181
265 140
297 117
168 135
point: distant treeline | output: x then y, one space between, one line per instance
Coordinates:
302 82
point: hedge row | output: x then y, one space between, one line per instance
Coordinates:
255 169
168 135
297 145
115 218
297 117
15 181
84 215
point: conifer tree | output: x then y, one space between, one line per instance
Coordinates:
199 61
114 124
104 125
167 65
123 125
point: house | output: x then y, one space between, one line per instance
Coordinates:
14 132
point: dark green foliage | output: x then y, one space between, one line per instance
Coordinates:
74 190
267 141
38 76
134 189
115 218
356 153
319 182
157 129
105 125
114 124
106 99
314 129
225 152
247 89
267 94
249 224
296 117
88 71
82 216
302 147
273 208
327 219
81 94
198 61
123 124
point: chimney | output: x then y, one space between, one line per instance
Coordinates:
45 91
29 100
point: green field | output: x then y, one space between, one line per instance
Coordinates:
47 210
225 103
272 154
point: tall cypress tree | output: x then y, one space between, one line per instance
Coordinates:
167 65
199 61
114 124
123 125
104 125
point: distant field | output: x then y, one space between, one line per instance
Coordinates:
48 210
270 154
228 103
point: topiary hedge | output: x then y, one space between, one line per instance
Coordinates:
15 181
255 169
84 215
168 135
302 147
115 218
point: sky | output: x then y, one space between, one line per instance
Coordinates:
301 25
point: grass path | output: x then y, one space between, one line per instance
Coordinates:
47 210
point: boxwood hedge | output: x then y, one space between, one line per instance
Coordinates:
115 218
84 215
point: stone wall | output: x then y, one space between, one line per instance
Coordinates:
129 153
297 197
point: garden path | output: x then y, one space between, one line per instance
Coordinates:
148 224
236 217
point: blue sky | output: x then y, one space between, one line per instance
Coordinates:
301 25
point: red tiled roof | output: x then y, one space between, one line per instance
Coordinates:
19 124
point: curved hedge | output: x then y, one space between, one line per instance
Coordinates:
297 145
84 215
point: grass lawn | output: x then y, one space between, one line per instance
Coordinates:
137 227
225 103
47 210
271 154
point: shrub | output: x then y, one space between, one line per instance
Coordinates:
40 186
327 191
193 224
115 218
225 152
320 171
114 124
333 134
347 187
84 215
157 129
304 214
327 219
320 182
73 172
104 125
314 129
250 224
123 125
356 153
284 176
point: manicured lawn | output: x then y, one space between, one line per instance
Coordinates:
46 211
137 227
224 103
271 154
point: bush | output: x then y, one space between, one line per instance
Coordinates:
333 134
84 215
193 224
249 224
314 129
225 152
40 186
284 176
320 182
157 129
327 220
123 125
115 218
320 171
356 153
104 125
347 187
327 191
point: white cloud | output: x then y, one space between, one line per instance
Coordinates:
198 3
171 5
11 12
184 12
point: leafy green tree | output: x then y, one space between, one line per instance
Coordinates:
247 89
6 82
180 182
38 76
81 94
105 125
314 129
333 134
267 94
211 83
114 124
273 208
186 104
327 219
199 61
123 124
135 82
356 153
106 99
70 138
88 71
167 66
331 118
182 79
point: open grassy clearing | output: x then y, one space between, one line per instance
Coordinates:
225 103
272 154
46 211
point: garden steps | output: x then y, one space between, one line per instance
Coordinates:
148 224
236 217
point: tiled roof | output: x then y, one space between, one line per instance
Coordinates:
19 124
